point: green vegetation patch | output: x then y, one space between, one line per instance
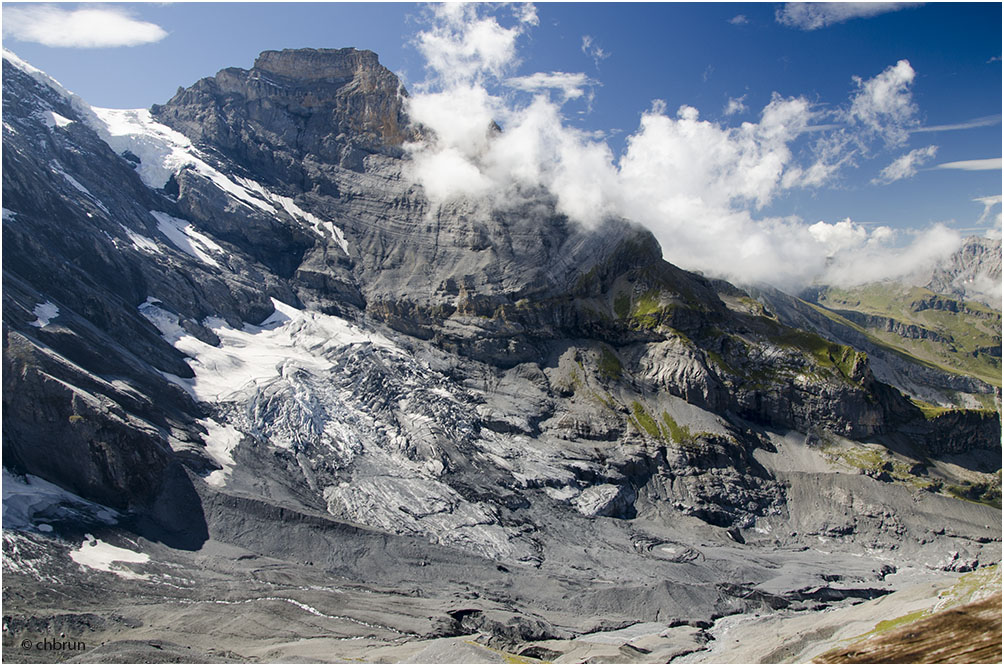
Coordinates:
982 492
886 625
930 411
970 585
610 366
967 329
622 305
644 421
647 304
826 354
678 433
877 461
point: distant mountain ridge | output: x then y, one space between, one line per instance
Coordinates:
972 273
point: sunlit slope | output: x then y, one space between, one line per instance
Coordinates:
959 336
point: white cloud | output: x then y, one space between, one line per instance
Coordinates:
985 121
815 15
989 204
463 46
991 164
591 49
697 185
735 105
739 19
879 259
89 27
572 86
527 13
884 104
906 165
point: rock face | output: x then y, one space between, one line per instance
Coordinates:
295 109
973 272
236 322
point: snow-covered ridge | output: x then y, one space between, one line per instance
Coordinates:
82 108
163 152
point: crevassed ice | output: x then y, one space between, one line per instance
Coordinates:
257 354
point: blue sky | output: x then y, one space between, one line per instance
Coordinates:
857 110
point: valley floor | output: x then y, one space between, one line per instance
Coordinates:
223 604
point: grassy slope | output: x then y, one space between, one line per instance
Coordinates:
975 328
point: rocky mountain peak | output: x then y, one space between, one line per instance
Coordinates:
330 106
973 272
321 65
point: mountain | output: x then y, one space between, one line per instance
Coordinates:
973 272
248 367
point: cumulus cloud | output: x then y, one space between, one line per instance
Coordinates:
571 86
739 19
991 164
906 165
884 104
698 185
815 15
90 27
462 45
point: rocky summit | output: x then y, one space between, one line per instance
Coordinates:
264 401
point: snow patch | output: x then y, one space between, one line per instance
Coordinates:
141 242
82 108
45 312
96 554
53 119
163 152
221 440
184 236
317 224
58 168
27 498
289 340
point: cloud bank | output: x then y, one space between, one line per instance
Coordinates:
90 27
815 15
698 185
